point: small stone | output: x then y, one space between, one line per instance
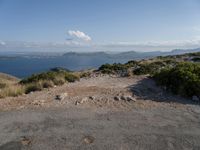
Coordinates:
85 99
61 96
117 98
25 141
123 98
88 139
77 103
130 98
195 98
91 97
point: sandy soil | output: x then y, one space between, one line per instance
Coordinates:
90 117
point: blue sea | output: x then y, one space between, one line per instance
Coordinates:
25 66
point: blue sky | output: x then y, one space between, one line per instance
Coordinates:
112 25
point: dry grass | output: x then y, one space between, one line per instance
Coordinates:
9 86
11 90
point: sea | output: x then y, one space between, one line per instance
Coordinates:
23 67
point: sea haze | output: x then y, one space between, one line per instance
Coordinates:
23 65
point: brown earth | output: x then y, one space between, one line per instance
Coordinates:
91 114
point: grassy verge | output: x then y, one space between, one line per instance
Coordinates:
37 82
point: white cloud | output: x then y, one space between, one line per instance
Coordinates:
2 43
80 35
196 29
191 42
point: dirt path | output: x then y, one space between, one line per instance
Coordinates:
89 117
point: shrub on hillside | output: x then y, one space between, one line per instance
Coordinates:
48 79
149 68
32 87
113 68
183 79
71 77
57 77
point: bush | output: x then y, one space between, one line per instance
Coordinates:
71 77
183 79
32 87
59 81
48 79
47 84
149 68
113 68
85 74
58 77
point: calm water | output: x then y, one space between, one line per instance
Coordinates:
23 67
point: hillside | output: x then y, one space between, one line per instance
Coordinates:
103 108
8 78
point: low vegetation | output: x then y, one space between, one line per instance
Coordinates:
48 79
9 86
137 68
179 74
183 79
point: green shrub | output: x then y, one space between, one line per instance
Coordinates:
85 74
71 77
196 59
59 81
149 68
58 77
48 79
183 79
32 87
113 68
47 84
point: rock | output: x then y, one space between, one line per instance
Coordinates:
25 141
123 98
195 98
117 98
88 139
85 99
91 97
77 103
127 98
130 98
61 96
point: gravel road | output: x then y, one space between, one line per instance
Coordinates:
150 123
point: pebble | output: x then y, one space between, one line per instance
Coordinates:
61 96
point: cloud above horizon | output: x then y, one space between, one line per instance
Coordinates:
2 43
75 45
80 35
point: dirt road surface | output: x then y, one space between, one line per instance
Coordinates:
90 117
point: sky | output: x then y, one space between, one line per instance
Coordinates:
99 25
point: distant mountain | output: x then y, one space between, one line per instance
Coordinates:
86 54
180 51
131 54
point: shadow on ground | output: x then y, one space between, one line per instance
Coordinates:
11 146
148 90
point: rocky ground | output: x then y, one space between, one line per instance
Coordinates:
100 113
